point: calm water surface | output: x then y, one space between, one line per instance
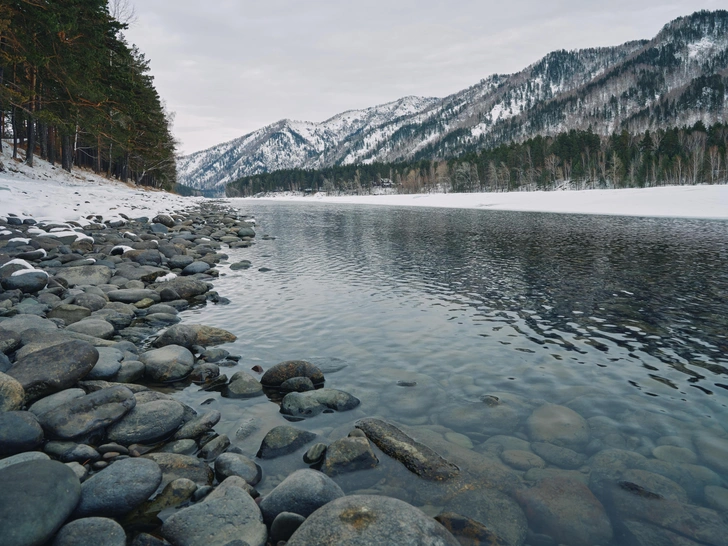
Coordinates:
491 315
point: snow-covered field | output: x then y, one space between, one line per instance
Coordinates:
52 194
675 201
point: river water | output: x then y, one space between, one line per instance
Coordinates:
460 323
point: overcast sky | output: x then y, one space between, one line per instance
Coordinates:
229 67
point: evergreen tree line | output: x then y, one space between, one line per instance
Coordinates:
571 160
75 92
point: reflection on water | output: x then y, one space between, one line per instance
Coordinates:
485 317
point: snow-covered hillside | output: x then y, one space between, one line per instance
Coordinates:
677 78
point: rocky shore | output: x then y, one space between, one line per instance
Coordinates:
95 448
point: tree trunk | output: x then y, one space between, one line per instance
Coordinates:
125 168
108 171
66 153
15 133
51 145
30 150
97 170
43 139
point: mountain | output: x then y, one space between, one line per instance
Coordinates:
677 78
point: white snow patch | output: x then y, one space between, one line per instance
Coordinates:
18 261
123 248
168 277
19 240
24 271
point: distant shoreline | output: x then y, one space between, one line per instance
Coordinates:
700 201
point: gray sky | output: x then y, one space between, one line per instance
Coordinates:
228 67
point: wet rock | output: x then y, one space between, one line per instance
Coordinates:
242 264
717 498
285 524
246 231
283 371
129 371
197 427
499 417
36 498
147 423
214 448
367 520
559 456
661 485
242 385
522 460
69 313
180 261
9 340
91 275
195 268
19 431
497 512
182 447
236 464
282 440
11 393
315 453
558 425
713 450
54 368
644 511
84 415
176 466
349 455
674 454
566 510
312 403
467 531
55 400
108 364
227 516
297 384
169 363
91 532
119 488
204 373
186 288
417 457
188 335
174 494
20 323
303 492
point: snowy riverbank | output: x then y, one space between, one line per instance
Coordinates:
666 201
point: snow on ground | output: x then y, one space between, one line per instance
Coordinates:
672 201
54 195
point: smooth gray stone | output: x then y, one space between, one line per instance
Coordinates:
303 492
147 423
236 464
91 532
214 355
156 320
242 385
195 267
9 340
92 327
285 524
297 384
68 452
237 520
119 488
36 498
282 440
55 400
180 261
367 520
214 448
162 308
181 447
23 457
54 368
19 431
169 363
108 364
133 295
69 313
186 288
92 275
20 323
348 455
176 466
283 371
87 414
312 403
130 371
92 302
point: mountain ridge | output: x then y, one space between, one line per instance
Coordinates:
679 76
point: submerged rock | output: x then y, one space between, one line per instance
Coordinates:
282 440
417 457
364 520
283 371
311 403
348 455
303 492
558 425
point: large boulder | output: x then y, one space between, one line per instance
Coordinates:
36 498
54 368
366 520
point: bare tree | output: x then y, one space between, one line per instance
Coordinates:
123 11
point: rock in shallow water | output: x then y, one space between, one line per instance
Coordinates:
176 466
282 440
169 363
312 403
119 488
348 455
147 423
558 425
283 371
36 497
242 385
363 520
236 464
